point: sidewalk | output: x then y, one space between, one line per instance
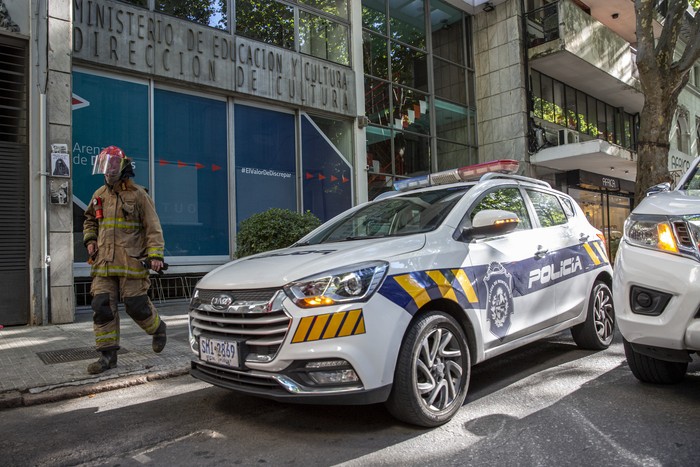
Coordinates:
41 364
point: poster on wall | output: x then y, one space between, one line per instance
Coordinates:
60 163
265 161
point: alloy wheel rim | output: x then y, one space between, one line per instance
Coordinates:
602 314
439 369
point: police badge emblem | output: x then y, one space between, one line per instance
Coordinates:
499 299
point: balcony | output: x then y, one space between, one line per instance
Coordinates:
570 45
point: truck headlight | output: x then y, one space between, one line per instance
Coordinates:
354 283
677 235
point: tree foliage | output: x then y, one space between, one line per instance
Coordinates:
662 77
273 229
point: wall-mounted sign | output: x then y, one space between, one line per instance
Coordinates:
119 35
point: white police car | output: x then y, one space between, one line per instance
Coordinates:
657 281
394 300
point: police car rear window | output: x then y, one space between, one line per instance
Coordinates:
416 212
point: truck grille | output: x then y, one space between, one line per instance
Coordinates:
254 317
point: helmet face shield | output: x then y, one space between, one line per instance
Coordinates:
110 162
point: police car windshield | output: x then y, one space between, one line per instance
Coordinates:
400 215
693 181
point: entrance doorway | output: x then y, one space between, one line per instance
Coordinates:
14 180
605 211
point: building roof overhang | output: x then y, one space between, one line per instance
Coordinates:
596 155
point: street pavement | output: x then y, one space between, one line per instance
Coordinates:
41 364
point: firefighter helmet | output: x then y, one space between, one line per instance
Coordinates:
110 162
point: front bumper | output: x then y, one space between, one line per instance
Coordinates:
280 387
301 344
675 281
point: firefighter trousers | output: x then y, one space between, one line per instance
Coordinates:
106 294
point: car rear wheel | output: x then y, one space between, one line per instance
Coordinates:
652 370
432 371
596 333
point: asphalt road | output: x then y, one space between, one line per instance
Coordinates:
546 404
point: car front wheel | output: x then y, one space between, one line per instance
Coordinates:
652 370
596 333
432 371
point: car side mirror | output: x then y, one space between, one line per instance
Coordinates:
660 188
490 222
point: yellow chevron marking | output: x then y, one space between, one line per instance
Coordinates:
360 326
601 251
416 291
443 284
350 322
302 329
588 248
318 327
334 325
466 284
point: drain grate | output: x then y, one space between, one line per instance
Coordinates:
71 355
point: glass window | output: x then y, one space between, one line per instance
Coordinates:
416 213
191 174
323 38
570 111
410 110
450 81
547 98
409 67
407 23
452 155
592 117
559 103
374 15
548 208
452 122
332 7
327 188
447 32
377 100
266 21
112 112
537 95
265 161
207 12
581 109
379 161
507 199
374 55
411 154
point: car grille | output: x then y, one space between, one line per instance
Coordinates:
232 379
253 318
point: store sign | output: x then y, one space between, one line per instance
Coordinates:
122 36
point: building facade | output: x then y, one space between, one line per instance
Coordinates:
236 106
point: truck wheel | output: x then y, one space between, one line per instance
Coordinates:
596 333
652 370
432 371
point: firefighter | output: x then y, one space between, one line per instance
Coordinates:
122 234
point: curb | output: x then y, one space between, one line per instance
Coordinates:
29 397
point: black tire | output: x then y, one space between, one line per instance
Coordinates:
432 371
597 332
652 370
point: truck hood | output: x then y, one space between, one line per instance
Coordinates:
280 267
671 203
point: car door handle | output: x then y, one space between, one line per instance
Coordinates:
583 237
541 252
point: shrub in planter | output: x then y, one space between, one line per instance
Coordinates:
273 229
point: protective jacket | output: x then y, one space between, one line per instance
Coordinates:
128 232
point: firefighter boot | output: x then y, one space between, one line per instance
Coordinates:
107 360
160 338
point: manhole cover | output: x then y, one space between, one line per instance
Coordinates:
71 355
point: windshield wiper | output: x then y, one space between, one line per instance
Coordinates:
364 237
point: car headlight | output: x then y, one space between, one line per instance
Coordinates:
678 235
354 283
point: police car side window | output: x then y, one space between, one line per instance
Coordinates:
507 199
568 207
548 208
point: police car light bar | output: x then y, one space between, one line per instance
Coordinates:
463 174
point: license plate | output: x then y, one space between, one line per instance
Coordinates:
220 352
